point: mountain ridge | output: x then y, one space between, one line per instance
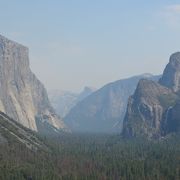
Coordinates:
64 101
104 109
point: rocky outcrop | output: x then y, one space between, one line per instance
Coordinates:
146 109
153 110
103 111
22 95
171 75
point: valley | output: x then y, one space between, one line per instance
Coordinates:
126 129
88 156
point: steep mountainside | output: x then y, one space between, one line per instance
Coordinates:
22 96
13 132
147 108
103 110
153 110
171 74
63 101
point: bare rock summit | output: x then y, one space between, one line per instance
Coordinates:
171 74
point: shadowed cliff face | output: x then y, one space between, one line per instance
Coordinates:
153 109
172 120
22 96
146 109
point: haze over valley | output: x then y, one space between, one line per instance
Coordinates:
89 90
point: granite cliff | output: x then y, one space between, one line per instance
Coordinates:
153 110
171 74
22 95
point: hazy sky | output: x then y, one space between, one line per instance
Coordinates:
77 43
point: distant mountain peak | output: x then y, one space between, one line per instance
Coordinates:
175 58
147 75
64 101
88 88
103 111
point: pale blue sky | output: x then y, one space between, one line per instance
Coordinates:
77 43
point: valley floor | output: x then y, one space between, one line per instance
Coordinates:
85 156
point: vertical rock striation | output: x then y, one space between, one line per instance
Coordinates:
22 95
147 109
153 110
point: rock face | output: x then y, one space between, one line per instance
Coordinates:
64 101
147 108
171 75
22 96
103 111
153 110
172 121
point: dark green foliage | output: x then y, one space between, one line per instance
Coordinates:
85 156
